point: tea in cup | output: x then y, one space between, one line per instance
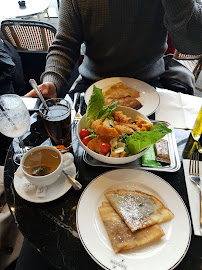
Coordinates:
42 165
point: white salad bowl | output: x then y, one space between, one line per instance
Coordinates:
112 160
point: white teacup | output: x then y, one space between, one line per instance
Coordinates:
42 165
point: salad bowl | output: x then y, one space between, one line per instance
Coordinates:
112 160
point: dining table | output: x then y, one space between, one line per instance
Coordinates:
51 227
11 9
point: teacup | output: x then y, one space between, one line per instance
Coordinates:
42 165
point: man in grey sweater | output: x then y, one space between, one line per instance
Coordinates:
122 38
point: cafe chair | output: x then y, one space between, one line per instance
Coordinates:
192 62
30 36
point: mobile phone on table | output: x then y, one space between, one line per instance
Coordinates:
32 104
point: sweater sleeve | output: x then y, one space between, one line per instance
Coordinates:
183 19
65 49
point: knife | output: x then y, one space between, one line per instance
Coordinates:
73 109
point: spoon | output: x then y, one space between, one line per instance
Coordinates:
44 170
76 185
35 87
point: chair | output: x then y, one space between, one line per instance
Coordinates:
31 39
30 36
192 62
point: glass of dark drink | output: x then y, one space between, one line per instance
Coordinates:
57 121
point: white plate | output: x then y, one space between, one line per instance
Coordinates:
162 254
54 191
149 98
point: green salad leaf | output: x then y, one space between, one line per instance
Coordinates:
96 110
140 140
95 104
106 111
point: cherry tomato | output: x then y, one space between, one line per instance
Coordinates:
86 140
105 147
83 133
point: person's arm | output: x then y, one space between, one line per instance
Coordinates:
183 19
65 50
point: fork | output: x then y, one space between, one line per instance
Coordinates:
73 110
78 116
195 178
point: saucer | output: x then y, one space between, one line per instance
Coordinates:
53 192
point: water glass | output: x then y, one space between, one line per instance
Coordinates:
14 121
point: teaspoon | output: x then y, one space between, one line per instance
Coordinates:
35 87
76 185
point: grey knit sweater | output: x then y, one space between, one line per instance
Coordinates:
122 37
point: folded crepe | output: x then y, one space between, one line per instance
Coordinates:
138 209
120 235
120 92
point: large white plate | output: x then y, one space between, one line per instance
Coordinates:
162 254
149 97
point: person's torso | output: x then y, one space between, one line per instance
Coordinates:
123 37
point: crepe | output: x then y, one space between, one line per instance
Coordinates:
125 95
138 209
120 235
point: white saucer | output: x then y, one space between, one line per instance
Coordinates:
53 192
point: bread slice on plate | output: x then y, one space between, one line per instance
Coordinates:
120 235
138 209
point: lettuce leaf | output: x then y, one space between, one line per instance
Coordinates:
140 140
95 104
106 111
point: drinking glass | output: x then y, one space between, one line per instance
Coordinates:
14 121
57 121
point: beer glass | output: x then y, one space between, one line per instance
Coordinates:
57 121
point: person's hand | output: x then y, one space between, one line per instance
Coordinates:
47 89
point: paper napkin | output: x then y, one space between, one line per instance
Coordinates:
193 195
180 110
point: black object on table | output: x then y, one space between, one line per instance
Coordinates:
58 2
51 227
